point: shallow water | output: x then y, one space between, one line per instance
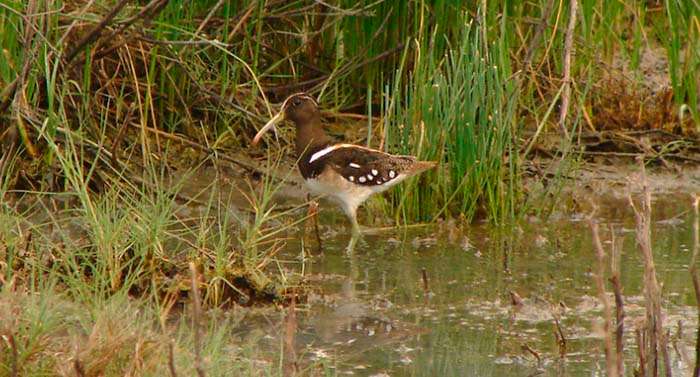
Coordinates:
371 315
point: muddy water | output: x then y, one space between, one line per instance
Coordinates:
372 313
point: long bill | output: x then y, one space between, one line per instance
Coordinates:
270 125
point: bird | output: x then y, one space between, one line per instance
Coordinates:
347 174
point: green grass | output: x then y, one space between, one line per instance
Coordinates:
50 334
684 62
91 180
102 278
205 79
460 111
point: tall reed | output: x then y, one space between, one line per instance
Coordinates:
457 109
209 71
683 51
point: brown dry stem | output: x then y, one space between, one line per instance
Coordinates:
610 357
196 313
93 34
652 291
171 360
559 335
424 277
641 347
291 367
696 280
619 302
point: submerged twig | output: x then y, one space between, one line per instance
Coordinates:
696 280
526 347
619 302
515 299
680 348
290 330
558 331
641 351
652 291
610 357
559 335
426 287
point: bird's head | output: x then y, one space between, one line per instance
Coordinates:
300 108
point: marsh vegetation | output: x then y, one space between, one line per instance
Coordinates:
140 233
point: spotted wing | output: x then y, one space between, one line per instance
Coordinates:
366 166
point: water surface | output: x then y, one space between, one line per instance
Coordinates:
369 313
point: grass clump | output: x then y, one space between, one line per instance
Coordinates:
121 73
459 110
97 99
98 284
51 334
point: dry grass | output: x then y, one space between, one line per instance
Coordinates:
657 338
652 337
53 336
620 104
94 94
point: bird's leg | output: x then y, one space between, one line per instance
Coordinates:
355 227
353 240
356 233
313 214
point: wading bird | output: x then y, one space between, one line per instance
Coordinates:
345 173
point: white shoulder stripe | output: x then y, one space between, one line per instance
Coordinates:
326 151
330 149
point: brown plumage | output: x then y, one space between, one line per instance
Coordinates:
346 173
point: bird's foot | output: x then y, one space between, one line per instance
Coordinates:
351 245
356 236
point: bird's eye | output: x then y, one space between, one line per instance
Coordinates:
296 101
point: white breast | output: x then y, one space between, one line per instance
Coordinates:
319 187
333 186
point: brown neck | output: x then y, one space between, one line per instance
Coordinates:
310 136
